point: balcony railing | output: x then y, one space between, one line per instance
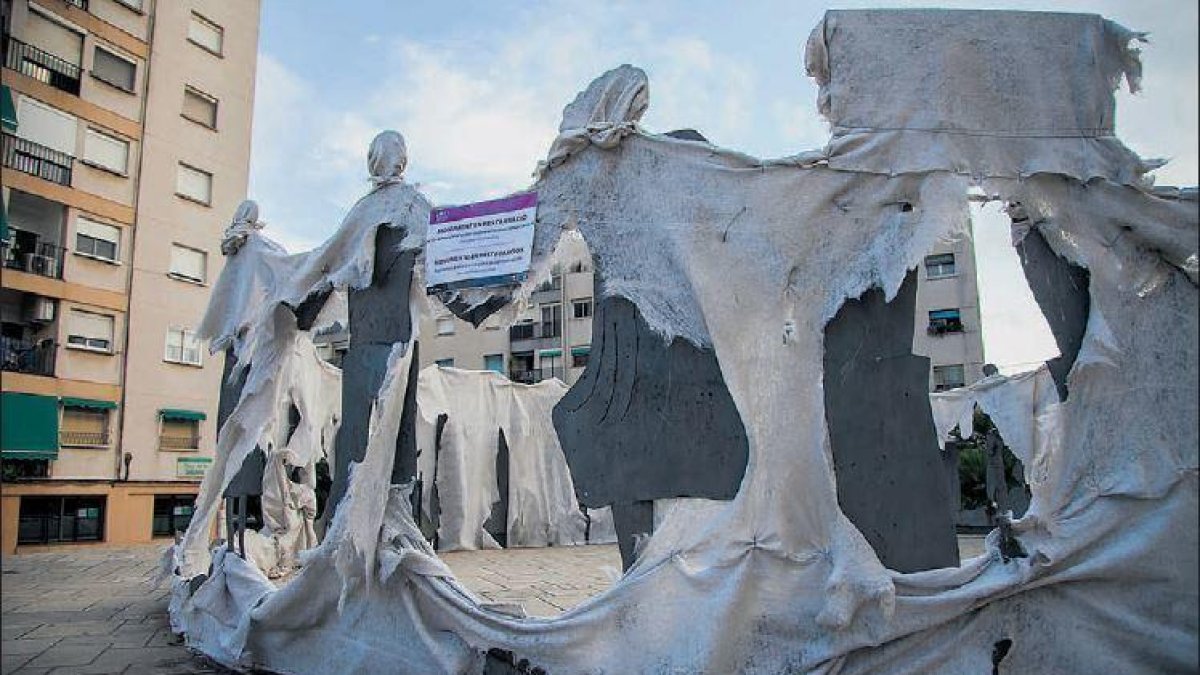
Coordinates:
528 331
521 331
84 439
179 442
42 259
23 356
536 375
37 160
42 66
81 4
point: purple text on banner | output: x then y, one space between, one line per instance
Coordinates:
447 214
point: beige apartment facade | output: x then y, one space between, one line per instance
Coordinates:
126 148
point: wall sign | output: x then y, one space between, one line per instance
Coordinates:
482 244
192 467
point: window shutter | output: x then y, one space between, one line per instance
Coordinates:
199 107
188 262
113 69
46 126
76 420
96 230
96 326
194 183
206 33
107 151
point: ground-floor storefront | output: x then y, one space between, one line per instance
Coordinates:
39 513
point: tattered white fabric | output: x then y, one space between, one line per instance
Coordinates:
542 508
778 580
975 92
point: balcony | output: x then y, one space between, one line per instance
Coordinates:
83 439
81 4
24 356
521 331
42 66
37 160
536 375
178 442
550 329
40 258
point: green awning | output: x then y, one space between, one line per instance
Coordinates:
581 351
8 111
550 352
30 428
71 402
174 414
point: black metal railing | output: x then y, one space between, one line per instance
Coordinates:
521 331
37 160
42 66
81 4
42 259
179 442
23 356
536 375
83 438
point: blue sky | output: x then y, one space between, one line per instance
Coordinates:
478 90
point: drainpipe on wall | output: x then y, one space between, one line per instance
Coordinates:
127 457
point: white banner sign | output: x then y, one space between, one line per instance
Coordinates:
482 244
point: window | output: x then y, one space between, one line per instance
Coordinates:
45 520
199 107
444 363
579 356
179 434
939 266
582 308
948 377
182 347
942 321
494 363
194 184
188 263
172 513
445 326
97 240
551 321
551 364
83 427
46 126
112 69
206 34
87 330
106 152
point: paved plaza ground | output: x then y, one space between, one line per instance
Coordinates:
95 610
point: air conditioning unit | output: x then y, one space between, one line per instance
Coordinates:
41 264
41 310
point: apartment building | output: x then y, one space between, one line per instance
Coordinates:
553 338
126 147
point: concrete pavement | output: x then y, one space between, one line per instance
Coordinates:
94 610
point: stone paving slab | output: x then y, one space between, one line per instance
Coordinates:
96 611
